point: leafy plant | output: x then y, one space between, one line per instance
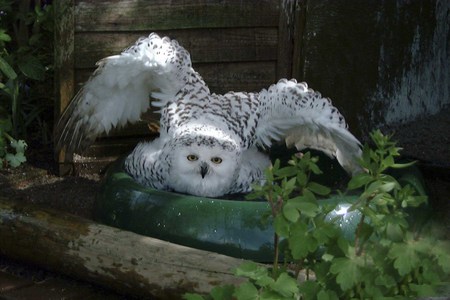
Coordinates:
387 258
25 63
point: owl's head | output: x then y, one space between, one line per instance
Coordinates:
202 164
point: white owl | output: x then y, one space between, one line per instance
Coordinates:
209 144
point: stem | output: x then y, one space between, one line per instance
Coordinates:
276 254
358 247
10 138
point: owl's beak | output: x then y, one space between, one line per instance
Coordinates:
203 169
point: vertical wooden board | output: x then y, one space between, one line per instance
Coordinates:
367 57
340 53
285 38
64 64
135 15
64 53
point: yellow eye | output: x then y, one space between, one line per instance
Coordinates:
192 157
216 160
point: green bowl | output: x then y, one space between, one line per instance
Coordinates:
230 227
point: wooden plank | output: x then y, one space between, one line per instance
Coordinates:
204 45
135 15
244 76
222 77
123 261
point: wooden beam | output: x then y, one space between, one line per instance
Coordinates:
126 262
136 15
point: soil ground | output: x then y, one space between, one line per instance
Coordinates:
426 139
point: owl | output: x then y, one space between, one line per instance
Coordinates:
209 144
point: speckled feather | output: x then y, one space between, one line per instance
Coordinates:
231 127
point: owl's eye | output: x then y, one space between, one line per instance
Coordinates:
216 160
192 157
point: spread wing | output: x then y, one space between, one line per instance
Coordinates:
118 91
302 117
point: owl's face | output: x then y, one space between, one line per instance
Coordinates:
203 165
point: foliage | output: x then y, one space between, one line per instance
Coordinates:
25 74
387 258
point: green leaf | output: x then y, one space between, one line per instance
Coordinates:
246 291
302 179
32 67
285 286
190 296
248 269
359 180
288 186
347 272
394 231
385 280
405 258
286 172
259 274
15 160
327 295
222 292
4 36
308 209
281 225
441 250
309 289
404 165
388 186
423 290
5 124
290 212
315 169
302 245
6 68
324 232
19 145
318 188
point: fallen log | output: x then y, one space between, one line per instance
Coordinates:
122 261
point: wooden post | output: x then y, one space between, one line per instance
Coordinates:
64 66
119 260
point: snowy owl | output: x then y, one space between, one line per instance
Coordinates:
209 145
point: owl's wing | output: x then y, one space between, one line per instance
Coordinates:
302 117
118 91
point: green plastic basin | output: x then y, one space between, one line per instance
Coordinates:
230 227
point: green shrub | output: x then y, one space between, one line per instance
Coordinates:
387 258
26 58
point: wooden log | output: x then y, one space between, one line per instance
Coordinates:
122 261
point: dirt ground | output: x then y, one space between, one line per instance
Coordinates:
426 139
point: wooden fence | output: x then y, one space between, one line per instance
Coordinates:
235 45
